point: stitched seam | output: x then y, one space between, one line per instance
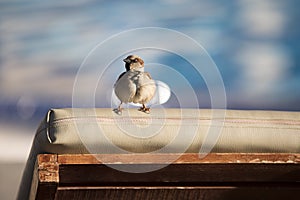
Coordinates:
57 125
136 119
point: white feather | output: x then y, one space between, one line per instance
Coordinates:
162 93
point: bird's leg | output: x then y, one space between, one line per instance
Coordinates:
119 109
147 110
144 109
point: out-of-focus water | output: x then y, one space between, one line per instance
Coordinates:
253 43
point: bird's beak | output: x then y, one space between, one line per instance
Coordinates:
127 60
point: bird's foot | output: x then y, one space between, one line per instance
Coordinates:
145 109
118 111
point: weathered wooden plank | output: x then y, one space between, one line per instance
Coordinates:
182 193
46 177
179 173
283 158
186 176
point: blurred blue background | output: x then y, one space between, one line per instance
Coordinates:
254 43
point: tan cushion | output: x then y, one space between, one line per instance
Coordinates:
103 131
164 130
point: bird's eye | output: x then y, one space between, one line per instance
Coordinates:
135 60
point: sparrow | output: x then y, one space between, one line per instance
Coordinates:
134 85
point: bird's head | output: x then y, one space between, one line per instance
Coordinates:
133 62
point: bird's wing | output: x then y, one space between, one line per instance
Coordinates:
121 75
148 75
124 88
119 78
162 93
161 96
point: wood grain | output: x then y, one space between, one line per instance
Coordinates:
180 176
46 177
179 158
183 193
